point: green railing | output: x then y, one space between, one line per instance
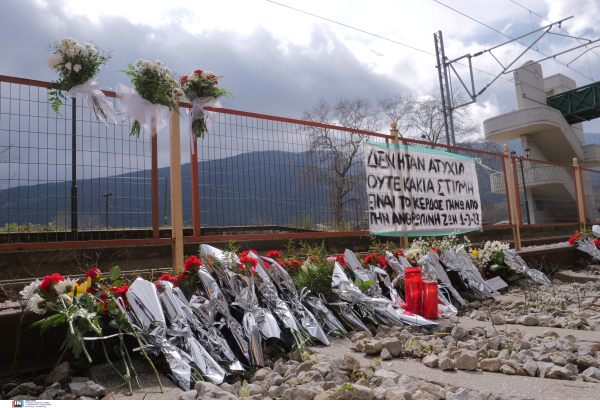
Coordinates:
579 104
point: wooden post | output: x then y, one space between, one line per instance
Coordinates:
176 206
512 191
396 140
579 194
195 187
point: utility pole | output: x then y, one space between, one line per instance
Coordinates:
106 195
166 195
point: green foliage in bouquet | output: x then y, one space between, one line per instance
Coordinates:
75 64
316 273
499 268
155 83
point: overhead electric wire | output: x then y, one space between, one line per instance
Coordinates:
508 36
544 18
378 36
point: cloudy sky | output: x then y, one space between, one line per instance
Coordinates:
279 61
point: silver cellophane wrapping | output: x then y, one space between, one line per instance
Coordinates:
380 306
328 320
587 245
144 303
431 268
271 297
280 277
454 262
514 261
179 328
398 264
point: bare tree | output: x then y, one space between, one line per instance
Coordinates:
333 157
398 108
427 119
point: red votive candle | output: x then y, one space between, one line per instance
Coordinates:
430 299
414 290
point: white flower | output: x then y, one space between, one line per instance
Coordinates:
159 63
70 52
28 290
56 70
139 62
89 46
66 285
76 67
93 51
37 305
68 66
54 60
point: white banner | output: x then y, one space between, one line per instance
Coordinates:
418 191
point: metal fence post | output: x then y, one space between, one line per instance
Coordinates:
155 210
195 187
579 194
394 133
74 229
512 191
176 201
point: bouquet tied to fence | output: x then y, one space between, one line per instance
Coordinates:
200 88
156 93
77 66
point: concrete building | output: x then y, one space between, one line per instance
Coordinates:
544 130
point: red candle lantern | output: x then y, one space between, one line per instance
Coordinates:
414 290
430 299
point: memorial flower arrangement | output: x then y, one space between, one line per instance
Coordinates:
88 308
77 66
585 234
156 85
200 87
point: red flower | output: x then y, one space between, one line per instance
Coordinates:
245 253
435 249
122 291
296 264
248 262
198 71
266 265
382 262
50 280
572 240
341 260
597 243
371 259
192 264
93 274
216 82
398 253
167 277
273 254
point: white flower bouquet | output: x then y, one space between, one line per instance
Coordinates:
77 66
200 87
155 87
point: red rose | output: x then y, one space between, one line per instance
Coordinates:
398 253
273 254
435 249
122 291
371 259
341 260
93 274
198 71
383 263
248 262
167 277
192 264
572 240
50 280
217 82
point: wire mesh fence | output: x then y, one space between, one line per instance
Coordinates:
547 193
265 175
256 174
591 194
37 163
